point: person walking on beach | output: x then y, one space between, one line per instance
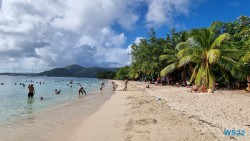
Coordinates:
81 90
31 91
126 85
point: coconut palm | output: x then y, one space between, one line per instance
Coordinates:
171 56
206 51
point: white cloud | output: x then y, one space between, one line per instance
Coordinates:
162 12
55 33
87 15
138 40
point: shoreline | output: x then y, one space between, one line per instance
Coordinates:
15 104
55 123
139 114
166 113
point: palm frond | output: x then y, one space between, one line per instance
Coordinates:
208 37
227 45
167 57
170 51
168 69
200 75
193 76
211 78
218 41
200 36
224 73
228 64
183 45
246 58
189 51
232 53
168 45
193 42
170 61
213 55
189 59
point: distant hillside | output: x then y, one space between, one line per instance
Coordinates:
91 72
75 71
57 72
74 68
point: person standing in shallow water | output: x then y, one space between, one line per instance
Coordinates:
81 90
31 91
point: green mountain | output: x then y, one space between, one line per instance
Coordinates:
91 72
74 68
57 72
75 71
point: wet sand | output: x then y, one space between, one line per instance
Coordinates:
161 113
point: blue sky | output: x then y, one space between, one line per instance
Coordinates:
202 15
50 33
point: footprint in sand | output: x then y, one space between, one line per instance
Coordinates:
130 97
146 121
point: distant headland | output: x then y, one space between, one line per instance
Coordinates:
73 70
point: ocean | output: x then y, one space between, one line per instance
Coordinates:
15 105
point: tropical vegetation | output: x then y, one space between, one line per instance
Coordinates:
204 56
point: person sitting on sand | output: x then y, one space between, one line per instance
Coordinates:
194 88
158 80
81 90
203 89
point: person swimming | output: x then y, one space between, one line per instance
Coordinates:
57 91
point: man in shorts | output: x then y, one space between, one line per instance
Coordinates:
31 91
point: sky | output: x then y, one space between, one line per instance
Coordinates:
45 34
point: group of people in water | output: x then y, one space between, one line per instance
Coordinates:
32 91
81 90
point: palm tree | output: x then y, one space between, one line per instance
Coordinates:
206 51
171 55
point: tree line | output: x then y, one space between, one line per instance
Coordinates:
204 56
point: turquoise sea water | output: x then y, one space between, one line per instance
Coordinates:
14 103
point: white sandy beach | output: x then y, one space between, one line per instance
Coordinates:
158 113
139 115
